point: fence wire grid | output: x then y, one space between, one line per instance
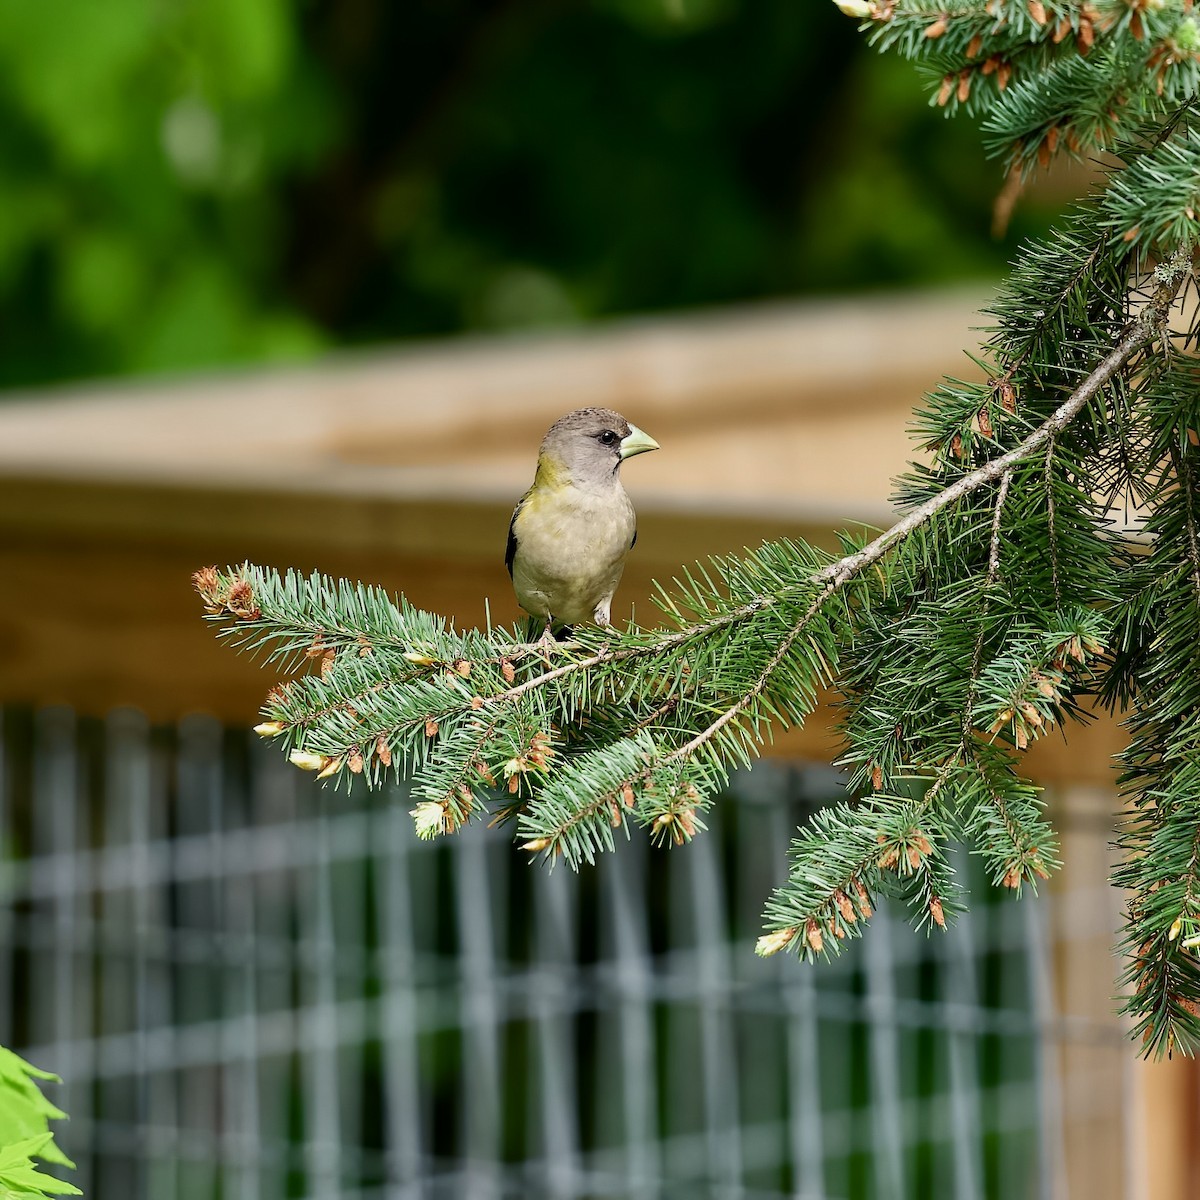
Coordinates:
256 989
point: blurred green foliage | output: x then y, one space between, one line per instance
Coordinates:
195 182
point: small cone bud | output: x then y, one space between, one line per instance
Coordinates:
240 601
860 10
536 845
207 581
1176 928
270 729
419 660
812 934
935 910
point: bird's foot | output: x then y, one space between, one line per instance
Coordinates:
546 642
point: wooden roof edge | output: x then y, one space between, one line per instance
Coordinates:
775 355
956 303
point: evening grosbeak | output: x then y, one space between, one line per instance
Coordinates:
571 531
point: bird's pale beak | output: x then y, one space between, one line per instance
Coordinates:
636 442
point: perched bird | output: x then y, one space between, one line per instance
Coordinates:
571 531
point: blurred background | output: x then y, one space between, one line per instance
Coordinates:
239 181
305 283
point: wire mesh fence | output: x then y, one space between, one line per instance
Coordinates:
256 988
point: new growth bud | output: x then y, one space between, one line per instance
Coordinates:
773 942
306 761
429 820
860 10
332 767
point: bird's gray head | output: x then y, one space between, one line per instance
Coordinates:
587 446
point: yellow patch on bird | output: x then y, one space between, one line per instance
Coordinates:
552 475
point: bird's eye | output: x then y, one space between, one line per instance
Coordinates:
607 438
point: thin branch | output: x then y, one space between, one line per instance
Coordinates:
624 653
1140 332
1185 481
760 683
993 571
1047 473
688 748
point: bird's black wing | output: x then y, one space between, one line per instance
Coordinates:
510 551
